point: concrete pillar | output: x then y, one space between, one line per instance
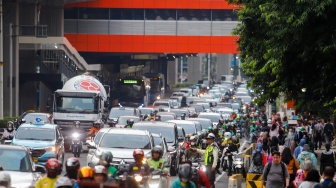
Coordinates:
172 72
223 65
194 69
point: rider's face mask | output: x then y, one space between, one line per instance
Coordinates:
10 128
185 180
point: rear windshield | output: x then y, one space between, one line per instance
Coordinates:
126 141
167 132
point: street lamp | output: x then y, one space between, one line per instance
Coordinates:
303 90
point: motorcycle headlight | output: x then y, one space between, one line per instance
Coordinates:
75 135
137 178
158 97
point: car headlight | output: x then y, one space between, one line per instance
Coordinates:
158 97
53 148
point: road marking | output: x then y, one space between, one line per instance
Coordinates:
220 176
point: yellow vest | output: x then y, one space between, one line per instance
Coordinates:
209 155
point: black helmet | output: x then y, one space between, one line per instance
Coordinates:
106 157
221 121
72 166
130 121
157 149
155 112
183 115
157 118
152 114
185 172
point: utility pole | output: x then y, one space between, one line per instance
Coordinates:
1 61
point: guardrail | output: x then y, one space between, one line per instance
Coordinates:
247 156
33 30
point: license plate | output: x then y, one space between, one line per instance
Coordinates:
35 159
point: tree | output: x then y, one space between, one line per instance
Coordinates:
289 45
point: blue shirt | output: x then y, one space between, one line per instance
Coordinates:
325 183
177 184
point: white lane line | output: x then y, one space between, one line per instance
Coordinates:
220 176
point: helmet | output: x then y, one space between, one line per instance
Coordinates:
152 114
52 166
192 138
221 121
157 149
227 135
138 152
211 136
72 166
235 139
209 128
100 169
85 172
269 121
5 179
185 172
10 123
183 115
107 157
98 122
130 121
63 182
253 122
157 118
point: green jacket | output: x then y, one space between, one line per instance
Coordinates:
158 165
111 171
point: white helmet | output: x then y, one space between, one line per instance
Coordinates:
5 179
227 135
100 169
269 121
63 182
211 136
193 138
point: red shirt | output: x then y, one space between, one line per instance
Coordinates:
203 180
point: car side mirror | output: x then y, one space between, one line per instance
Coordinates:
40 168
171 148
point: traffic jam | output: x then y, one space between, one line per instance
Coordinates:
186 139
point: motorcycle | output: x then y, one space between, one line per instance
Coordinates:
124 178
196 163
255 136
76 144
158 179
238 164
238 135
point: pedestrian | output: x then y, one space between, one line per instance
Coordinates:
275 173
298 149
274 142
210 158
274 130
318 128
327 158
290 137
291 162
328 131
307 167
257 160
312 178
328 175
292 146
306 155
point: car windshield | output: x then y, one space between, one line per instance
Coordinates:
31 118
123 120
179 112
167 118
161 104
180 133
198 108
32 133
146 110
213 118
14 160
158 141
116 112
127 141
167 132
204 123
235 105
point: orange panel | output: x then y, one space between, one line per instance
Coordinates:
81 46
71 37
127 39
149 39
93 38
115 48
171 48
82 38
104 38
183 4
104 47
93 47
170 39
138 39
115 39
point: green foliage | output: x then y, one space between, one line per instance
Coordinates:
3 122
179 85
289 45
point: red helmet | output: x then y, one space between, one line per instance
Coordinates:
52 166
138 152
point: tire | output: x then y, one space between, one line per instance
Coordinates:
172 171
225 165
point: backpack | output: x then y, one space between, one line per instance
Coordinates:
304 158
329 128
258 159
283 168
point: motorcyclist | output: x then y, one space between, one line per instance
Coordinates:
105 159
200 178
220 123
159 164
227 139
183 116
52 167
139 166
5 179
130 123
157 118
100 174
9 132
253 128
189 153
72 166
85 174
95 128
78 130
63 182
236 142
151 116
184 180
232 148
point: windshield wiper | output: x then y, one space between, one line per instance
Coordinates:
28 138
46 139
87 110
120 147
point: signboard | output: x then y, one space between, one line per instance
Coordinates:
130 81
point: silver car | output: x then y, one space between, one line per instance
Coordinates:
17 161
122 143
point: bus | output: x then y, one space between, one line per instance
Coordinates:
157 86
132 91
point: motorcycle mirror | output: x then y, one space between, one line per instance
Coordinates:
40 168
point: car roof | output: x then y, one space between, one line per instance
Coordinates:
201 119
209 113
45 126
123 108
154 123
129 117
37 113
181 121
13 147
105 130
128 131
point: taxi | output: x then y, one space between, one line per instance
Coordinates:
44 140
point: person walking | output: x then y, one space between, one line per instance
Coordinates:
327 158
328 131
210 158
317 132
313 178
291 162
306 155
257 160
275 173
328 175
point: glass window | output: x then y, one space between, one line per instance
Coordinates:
71 13
126 14
169 14
21 159
94 13
224 15
205 15
115 14
116 112
213 118
168 133
98 137
195 15
151 14
73 104
28 133
138 14
183 15
125 141
158 142
188 128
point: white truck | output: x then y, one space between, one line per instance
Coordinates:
83 98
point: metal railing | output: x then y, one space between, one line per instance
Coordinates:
33 30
